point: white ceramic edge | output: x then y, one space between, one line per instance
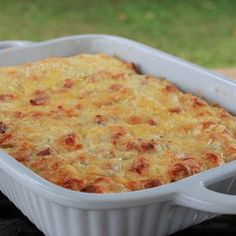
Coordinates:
6 45
179 192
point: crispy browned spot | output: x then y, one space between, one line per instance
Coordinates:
68 83
175 109
3 128
152 122
133 120
70 142
99 119
6 97
45 152
207 124
170 88
183 168
74 184
116 87
143 184
39 101
140 166
196 102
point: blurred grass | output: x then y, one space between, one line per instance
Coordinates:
203 32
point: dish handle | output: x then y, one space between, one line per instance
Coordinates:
14 43
198 195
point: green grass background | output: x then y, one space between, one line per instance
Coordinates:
202 31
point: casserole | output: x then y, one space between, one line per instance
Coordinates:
91 141
157 211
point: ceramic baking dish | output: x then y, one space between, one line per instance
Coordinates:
158 211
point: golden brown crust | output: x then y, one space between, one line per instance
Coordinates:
91 123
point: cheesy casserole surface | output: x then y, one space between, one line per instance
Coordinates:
91 123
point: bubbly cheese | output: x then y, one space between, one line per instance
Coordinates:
91 123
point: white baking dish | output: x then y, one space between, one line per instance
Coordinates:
158 211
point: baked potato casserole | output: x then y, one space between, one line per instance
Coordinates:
92 123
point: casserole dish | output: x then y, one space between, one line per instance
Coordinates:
158 211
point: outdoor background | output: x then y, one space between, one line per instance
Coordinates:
202 31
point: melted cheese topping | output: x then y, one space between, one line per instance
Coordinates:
91 123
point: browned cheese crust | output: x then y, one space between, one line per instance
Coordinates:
91 123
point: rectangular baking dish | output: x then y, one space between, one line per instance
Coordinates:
158 211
